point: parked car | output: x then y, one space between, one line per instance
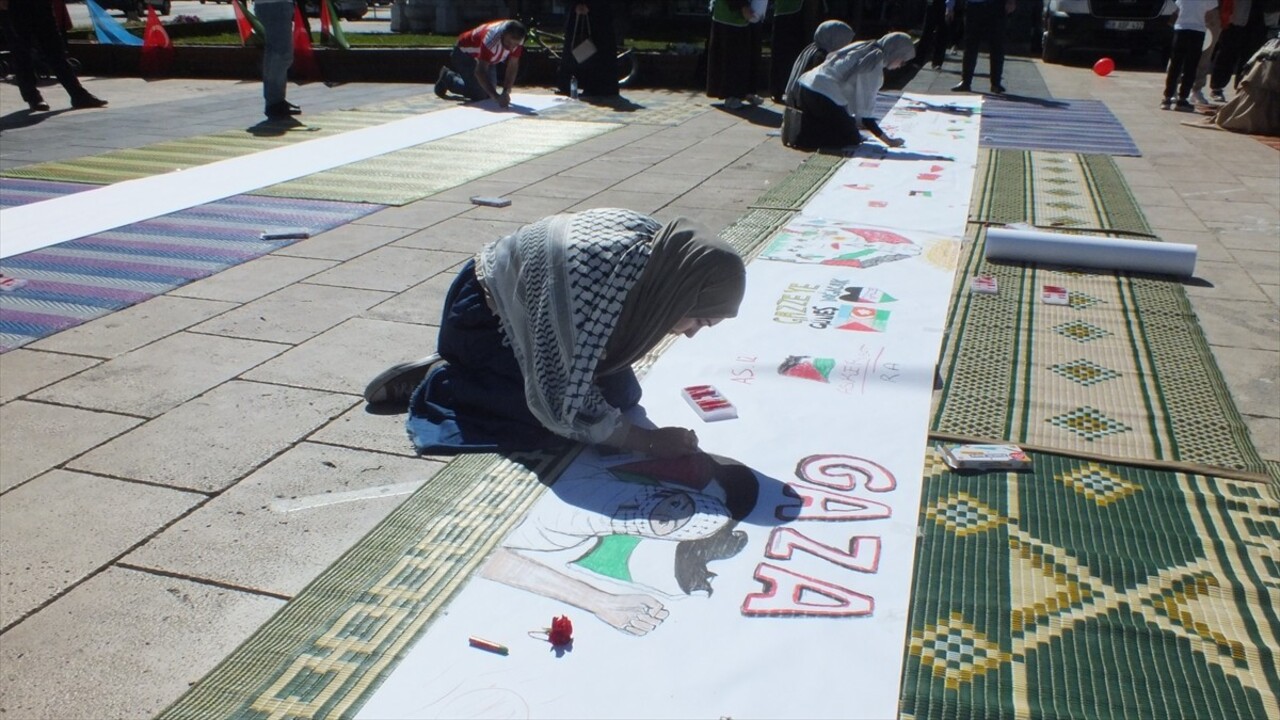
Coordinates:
346 9
1135 26
138 7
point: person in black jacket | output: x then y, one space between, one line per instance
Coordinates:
597 75
30 26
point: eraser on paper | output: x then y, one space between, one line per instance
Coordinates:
490 201
984 284
9 283
709 403
1055 295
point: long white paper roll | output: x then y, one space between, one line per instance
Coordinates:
1092 251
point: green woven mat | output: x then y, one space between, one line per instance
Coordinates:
330 646
403 176
1122 372
164 157
1090 590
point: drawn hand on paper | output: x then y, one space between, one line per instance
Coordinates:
635 614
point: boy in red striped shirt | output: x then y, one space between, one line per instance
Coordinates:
471 71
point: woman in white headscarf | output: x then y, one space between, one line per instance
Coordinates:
539 332
832 101
830 35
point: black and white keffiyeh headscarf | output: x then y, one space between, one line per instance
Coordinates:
561 286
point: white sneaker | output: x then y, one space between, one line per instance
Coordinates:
755 99
1198 98
733 103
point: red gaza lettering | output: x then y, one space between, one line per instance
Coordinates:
841 472
863 555
818 504
802 596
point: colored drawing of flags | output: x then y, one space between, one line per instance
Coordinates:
157 48
807 368
107 30
862 319
330 28
866 295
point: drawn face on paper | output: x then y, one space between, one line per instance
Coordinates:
671 514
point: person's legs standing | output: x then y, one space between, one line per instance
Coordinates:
24 72
996 29
277 54
973 35
1204 63
34 23
1190 61
1226 61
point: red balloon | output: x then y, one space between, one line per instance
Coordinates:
1104 66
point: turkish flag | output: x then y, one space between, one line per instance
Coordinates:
242 21
305 68
157 48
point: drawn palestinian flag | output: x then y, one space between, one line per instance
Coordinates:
807 367
866 295
863 319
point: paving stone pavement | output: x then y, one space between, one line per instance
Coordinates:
171 474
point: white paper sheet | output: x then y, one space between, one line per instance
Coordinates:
30 227
831 367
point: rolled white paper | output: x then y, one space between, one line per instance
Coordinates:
1091 251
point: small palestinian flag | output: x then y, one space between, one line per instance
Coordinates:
868 295
806 367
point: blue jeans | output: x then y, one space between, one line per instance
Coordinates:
277 56
462 76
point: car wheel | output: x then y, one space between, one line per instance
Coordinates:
1051 51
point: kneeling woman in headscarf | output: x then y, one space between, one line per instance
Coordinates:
540 329
833 100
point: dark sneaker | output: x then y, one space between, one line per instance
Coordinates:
81 102
1217 96
38 105
293 109
1184 104
279 111
998 89
962 87
396 384
442 83
1166 103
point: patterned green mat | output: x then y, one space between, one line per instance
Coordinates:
1122 372
403 176
1089 590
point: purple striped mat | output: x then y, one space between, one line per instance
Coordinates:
79 280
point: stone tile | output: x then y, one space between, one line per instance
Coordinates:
717 198
1225 281
416 215
567 186
607 171
160 376
1239 323
361 429
294 314
1207 245
119 332
393 269
1265 433
252 280
461 234
281 526
1236 213
641 202
1157 195
1262 266
345 358
39 437
344 242
1175 218
211 442
25 370
1254 379
651 181
125 644
484 186
63 526
1272 292
523 209
1249 239
421 304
